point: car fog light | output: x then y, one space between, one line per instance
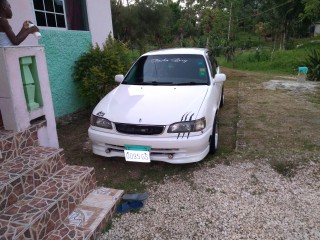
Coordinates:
107 150
170 156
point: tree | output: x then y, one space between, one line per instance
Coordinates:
280 16
202 23
311 10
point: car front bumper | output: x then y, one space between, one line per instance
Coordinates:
170 149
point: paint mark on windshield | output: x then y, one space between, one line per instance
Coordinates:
175 60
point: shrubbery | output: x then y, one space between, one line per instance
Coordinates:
266 60
313 64
260 56
95 70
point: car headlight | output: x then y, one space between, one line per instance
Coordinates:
188 126
100 122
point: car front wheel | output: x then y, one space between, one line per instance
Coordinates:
214 137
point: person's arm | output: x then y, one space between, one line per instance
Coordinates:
21 36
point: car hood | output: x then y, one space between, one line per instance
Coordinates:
156 105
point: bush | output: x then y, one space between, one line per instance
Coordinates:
260 56
313 64
286 62
94 71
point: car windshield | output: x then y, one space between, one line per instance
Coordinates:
177 69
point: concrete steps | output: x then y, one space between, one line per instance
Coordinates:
41 197
41 211
20 175
88 220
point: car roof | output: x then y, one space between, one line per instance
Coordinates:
197 51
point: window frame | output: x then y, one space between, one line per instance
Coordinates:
85 17
55 13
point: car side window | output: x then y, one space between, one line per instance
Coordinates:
212 64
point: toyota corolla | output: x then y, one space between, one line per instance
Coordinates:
164 109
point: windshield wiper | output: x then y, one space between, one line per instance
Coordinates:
192 83
155 83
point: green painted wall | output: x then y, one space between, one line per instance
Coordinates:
62 49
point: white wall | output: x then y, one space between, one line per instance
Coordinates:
15 114
100 20
99 17
317 29
22 10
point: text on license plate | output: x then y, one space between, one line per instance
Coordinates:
137 154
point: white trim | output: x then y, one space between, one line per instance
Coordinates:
55 13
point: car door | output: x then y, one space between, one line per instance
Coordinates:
214 69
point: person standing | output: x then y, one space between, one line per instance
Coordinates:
7 36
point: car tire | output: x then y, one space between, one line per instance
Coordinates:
214 137
222 98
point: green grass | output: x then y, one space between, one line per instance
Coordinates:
285 168
276 62
158 174
155 174
107 227
265 60
309 146
314 98
130 185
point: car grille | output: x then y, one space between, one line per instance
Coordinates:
139 129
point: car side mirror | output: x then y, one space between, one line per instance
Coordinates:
220 77
119 78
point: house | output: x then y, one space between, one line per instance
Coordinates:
317 28
35 81
67 27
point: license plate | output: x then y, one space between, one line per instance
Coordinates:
137 153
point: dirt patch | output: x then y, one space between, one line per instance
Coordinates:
280 121
291 85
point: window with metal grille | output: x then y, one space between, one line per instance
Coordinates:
69 14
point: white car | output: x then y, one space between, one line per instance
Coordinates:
164 109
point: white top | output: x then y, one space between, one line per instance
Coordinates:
4 40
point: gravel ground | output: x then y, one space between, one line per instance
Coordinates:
245 200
